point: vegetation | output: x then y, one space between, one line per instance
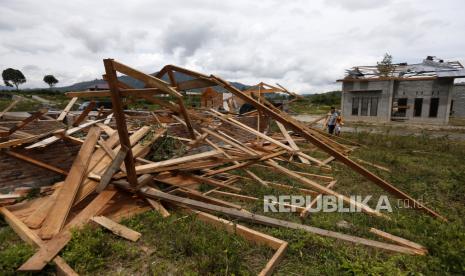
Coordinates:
58 99
316 103
430 169
385 66
50 80
13 77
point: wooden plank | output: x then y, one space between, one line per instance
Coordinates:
274 261
255 218
100 160
84 113
304 213
291 142
112 169
68 107
252 236
10 106
325 190
49 250
36 162
158 207
65 199
319 142
107 149
399 240
34 116
120 119
31 238
147 79
117 228
53 139
264 136
108 119
213 182
149 168
36 218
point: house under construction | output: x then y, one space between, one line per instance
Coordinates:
420 93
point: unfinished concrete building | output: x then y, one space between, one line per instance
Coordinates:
420 93
458 101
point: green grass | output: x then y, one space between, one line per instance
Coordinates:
430 169
316 103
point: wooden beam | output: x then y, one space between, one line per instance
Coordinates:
306 133
396 239
34 116
116 228
36 218
255 218
149 168
50 249
112 169
31 238
10 106
291 142
84 113
325 190
120 119
58 214
36 162
53 139
68 107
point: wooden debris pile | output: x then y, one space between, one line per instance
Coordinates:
116 173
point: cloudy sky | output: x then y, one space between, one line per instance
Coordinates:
303 45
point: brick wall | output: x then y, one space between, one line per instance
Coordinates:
17 173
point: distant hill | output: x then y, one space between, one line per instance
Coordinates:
6 88
134 83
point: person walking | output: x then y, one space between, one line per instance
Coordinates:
331 120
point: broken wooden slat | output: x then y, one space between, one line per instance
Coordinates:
36 219
31 238
319 142
117 228
291 142
121 126
158 207
112 169
84 113
65 111
36 162
10 106
399 240
23 123
65 199
272 221
53 139
49 250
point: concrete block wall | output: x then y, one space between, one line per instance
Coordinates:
380 89
426 89
459 101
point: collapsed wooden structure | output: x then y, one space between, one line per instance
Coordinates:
112 176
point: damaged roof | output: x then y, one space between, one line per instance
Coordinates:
429 67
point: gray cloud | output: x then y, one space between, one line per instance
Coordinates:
303 45
355 5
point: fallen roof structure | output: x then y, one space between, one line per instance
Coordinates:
113 178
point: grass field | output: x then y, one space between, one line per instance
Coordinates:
428 169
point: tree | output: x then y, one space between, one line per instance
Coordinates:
50 80
13 77
385 67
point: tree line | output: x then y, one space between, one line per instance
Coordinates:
14 77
